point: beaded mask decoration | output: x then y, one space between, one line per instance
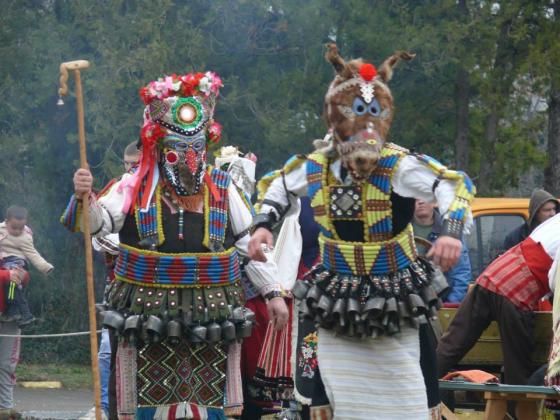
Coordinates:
359 110
178 123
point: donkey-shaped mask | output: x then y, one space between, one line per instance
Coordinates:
359 110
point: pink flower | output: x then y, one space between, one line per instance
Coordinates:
251 156
215 82
215 132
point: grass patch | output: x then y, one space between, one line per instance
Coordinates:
71 376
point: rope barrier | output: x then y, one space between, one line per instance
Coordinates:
73 334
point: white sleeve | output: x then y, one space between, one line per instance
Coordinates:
548 235
264 275
552 272
296 183
414 179
106 213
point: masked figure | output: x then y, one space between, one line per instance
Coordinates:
370 291
177 302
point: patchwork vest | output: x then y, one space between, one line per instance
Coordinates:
369 202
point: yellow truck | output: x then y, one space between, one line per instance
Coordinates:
494 218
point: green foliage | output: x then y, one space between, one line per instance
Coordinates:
270 56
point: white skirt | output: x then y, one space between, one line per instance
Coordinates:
373 378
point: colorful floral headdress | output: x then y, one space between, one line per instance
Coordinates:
183 104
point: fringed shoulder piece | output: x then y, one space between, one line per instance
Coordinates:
464 194
72 216
264 183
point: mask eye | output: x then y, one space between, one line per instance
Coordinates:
171 157
181 146
374 108
198 145
359 107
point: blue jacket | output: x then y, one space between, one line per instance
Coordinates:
460 275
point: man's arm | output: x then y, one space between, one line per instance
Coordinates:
419 176
264 275
275 191
106 214
459 277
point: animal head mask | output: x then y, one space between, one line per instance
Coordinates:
359 109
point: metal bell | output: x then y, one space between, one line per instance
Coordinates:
313 296
325 305
300 289
238 314
339 307
417 305
403 309
132 326
374 307
244 329
197 334
439 282
434 311
249 314
353 309
391 306
338 313
429 295
155 328
304 309
114 320
214 332
375 327
360 329
228 330
393 327
174 331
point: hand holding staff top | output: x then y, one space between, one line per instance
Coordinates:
75 66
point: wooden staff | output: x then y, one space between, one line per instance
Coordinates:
75 66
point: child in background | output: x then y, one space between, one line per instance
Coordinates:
17 250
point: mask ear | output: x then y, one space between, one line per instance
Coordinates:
334 58
386 69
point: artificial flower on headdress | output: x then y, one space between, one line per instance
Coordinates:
176 105
215 132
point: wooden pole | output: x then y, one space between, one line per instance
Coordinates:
75 66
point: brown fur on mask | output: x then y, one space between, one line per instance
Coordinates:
359 138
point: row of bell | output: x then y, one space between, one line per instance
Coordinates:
154 329
379 315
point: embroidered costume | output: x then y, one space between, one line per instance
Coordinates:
177 301
370 289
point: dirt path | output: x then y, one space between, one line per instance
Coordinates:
59 404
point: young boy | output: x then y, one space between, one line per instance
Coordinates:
17 249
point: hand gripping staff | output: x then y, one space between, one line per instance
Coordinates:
75 67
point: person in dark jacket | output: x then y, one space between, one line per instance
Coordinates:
542 206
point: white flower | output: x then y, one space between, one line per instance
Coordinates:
307 352
204 85
229 152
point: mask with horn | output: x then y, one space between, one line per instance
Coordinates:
359 110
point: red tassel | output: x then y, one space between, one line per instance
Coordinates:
212 187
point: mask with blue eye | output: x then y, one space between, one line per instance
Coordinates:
359 107
183 160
